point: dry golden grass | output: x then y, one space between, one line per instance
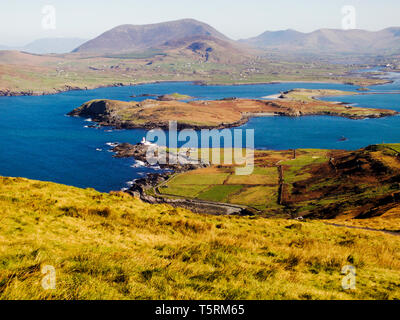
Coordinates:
254 179
111 246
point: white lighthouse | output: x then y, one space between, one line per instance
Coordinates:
145 142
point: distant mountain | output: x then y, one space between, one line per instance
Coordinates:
330 41
126 38
49 45
53 45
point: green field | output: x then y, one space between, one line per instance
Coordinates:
199 178
294 168
219 193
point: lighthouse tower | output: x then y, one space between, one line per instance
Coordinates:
145 142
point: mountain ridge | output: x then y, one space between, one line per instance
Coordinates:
327 40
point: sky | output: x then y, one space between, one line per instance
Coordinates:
23 21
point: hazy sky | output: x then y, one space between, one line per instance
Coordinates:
21 20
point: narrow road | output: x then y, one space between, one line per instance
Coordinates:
393 233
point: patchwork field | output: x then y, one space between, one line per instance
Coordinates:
258 190
305 183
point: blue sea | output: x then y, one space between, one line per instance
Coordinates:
38 141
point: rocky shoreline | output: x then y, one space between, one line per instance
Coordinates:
180 126
139 152
16 93
66 88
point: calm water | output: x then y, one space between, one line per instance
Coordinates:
40 142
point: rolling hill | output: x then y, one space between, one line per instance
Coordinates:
14 57
330 41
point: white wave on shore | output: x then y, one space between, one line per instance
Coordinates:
138 164
272 96
112 144
131 183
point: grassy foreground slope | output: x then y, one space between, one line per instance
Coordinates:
112 246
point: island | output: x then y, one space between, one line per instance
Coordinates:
219 114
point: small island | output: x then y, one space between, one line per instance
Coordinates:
219 114
174 97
